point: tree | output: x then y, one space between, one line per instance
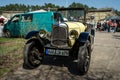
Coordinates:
79 5
117 12
76 5
92 8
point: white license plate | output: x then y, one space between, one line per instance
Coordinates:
57 52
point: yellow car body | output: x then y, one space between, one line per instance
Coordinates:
77 26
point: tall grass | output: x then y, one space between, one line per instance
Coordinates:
11 52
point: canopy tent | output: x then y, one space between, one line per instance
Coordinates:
3 19
113 18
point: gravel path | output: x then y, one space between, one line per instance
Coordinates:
105 64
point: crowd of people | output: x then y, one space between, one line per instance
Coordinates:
106 25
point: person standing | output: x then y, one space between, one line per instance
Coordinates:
92 22
109 25
99 26
115 25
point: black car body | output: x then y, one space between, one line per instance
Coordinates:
69 38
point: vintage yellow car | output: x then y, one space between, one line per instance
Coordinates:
70 37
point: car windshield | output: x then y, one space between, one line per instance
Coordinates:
73 14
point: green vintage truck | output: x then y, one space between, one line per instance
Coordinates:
72 38
21 24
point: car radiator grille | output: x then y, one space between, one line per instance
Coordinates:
59 36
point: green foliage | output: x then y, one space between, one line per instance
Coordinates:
50 5
26 8
76 5
22 7
117 12
92 8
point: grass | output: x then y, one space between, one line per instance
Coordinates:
6 39
4 70
11 52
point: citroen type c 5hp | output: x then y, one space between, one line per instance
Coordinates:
70 37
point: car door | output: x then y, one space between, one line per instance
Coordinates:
26 23
15 25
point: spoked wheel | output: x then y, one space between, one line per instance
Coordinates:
32 55
7 34
84 55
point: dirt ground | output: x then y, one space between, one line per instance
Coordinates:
105 64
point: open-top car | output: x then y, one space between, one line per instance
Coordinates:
70 37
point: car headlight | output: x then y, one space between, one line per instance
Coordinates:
73 34
42 33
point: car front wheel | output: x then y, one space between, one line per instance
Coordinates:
7 34
32 55
84 55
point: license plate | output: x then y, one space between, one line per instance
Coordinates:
57 52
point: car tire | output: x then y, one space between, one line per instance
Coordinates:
84 56
32 55
7 34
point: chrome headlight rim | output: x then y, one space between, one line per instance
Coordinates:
42 33
73 34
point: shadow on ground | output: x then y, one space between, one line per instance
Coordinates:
61 62
116 36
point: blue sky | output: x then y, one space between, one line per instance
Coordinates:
91 3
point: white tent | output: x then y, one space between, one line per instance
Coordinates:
41 10
4 19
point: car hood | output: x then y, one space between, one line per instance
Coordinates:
76 25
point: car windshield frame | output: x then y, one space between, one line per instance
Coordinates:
73 14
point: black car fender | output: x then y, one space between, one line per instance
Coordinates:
30 34
36 39
38 42
83 37
93 32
